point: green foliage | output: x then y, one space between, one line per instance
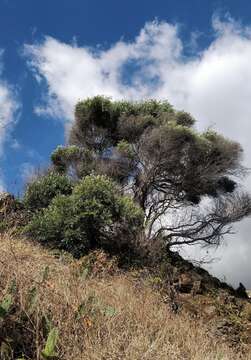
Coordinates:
96 214
41 191
97 119
69 157
153 152
124 148
121 136
130 128
5 305
184 119
4 224
62 155
49 351
103 110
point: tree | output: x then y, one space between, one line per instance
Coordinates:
185 182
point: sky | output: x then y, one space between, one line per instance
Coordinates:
194 53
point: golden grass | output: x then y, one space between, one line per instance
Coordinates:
109 317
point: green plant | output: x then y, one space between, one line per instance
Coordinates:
5 305
95 215
155 152
49 351
40 192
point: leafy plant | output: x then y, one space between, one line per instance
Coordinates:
49 351
40 192
96 214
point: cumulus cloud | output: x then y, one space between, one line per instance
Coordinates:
214 85
72 73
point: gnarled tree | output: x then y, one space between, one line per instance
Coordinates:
186 182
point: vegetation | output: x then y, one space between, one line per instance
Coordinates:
135 180
167 167
42 190
95 215
88 309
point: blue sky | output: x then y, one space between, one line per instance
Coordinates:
195 53
90 24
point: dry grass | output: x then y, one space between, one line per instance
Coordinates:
106 317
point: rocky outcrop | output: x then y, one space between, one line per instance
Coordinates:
187 278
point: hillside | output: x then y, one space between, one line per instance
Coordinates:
89 271
92 309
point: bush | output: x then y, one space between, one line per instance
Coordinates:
95 215
42 190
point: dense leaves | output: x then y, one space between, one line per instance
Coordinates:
96 214
162 150
138 168
153 152
43 189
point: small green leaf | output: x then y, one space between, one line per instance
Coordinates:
50 346
47 323
5 305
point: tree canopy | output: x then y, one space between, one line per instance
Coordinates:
185 181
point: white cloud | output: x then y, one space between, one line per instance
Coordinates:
73 73
214 85
8 108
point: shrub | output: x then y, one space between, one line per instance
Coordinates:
41 191
95 215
